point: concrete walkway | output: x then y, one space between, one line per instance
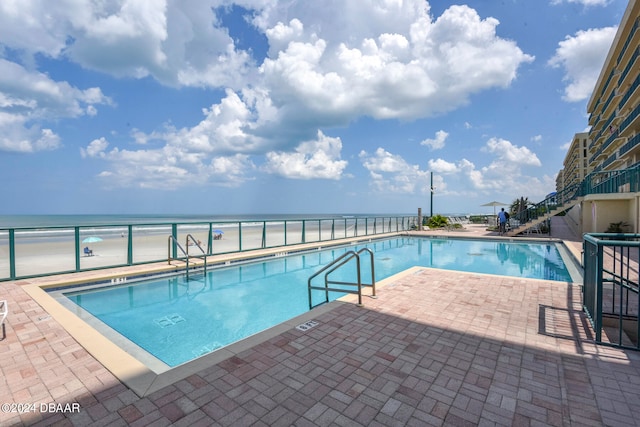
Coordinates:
436 348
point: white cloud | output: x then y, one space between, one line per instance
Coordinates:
442 166
169 167
29 100
36 94
383 161
504 172
506 152
329 63
216 151
582 57
96 148
223 129
319 159
391 61
438 142
230 171
17 136
390 173
175 42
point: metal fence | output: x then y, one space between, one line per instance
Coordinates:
597 182
33 252
611 294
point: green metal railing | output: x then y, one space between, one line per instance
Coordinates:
552 202
32 252
610 292
600 182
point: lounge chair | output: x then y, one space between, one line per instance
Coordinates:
87 251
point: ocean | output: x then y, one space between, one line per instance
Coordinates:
42 221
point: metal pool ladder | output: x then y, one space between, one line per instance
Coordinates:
333 266
186 253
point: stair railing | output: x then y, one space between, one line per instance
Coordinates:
333 266
189 241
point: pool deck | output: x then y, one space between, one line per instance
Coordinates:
435 348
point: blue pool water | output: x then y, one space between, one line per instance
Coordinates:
177 321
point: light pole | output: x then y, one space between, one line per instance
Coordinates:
432 191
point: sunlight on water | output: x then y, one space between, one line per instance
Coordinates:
176 320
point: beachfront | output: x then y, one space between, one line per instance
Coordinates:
436 348
42 251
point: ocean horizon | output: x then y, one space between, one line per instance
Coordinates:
65 220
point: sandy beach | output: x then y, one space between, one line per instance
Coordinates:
47 254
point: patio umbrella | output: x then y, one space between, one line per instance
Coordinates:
92 239
494 204
218 231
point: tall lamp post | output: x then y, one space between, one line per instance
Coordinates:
432 191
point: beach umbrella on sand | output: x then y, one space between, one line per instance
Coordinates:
218 231
494 204
92 239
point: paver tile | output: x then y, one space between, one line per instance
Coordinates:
436 347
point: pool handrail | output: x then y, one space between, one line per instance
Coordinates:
333 266
172 240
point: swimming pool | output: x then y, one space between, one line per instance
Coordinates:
176 320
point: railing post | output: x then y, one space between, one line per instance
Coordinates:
12 254
240 236
210 240
598 319
304 237
129 244
264 234
174 233
76 237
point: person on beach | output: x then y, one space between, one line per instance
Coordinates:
502 219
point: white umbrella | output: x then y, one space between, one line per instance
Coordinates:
494 204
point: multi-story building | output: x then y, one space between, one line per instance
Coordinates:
560 180
613 142
576 162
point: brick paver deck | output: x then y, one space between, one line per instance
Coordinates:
435 348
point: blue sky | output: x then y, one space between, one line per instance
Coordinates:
266 106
